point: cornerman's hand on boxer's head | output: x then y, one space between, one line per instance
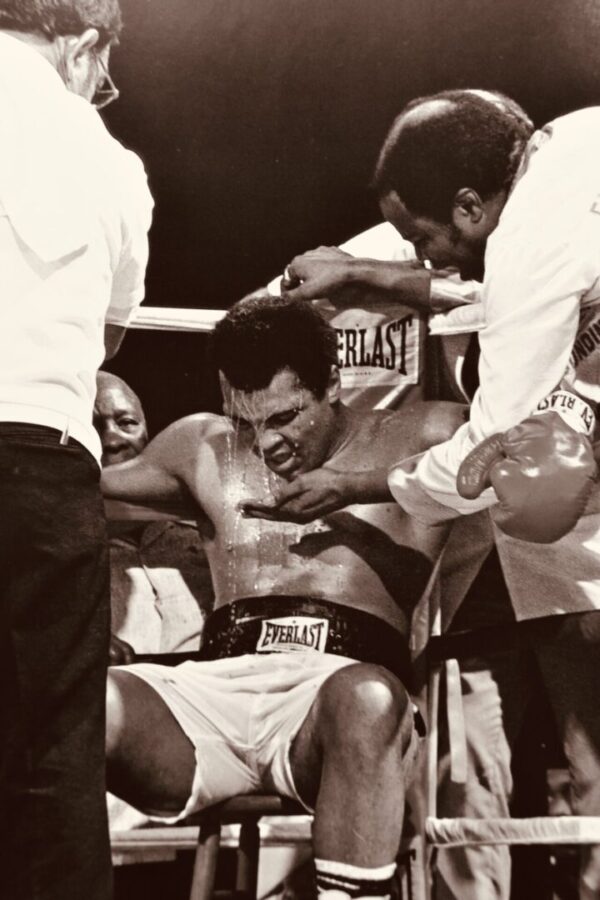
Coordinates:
308 497
317 274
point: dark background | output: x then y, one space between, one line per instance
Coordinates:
259 122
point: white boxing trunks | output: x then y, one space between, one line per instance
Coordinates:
260 667
241 715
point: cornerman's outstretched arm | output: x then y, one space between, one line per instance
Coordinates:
330 272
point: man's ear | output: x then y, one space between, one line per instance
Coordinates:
85 42
467 209
334 385
75 47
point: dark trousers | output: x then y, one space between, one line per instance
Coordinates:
54 626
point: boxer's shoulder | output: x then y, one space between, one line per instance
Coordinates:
198 426
413 428
438 420
182 441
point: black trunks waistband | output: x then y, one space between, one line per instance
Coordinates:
289 623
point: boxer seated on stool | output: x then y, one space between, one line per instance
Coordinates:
303 691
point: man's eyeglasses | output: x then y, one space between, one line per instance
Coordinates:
107 91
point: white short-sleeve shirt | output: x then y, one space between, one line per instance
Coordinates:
75 210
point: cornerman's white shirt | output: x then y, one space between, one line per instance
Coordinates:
541 288
541 305
75 210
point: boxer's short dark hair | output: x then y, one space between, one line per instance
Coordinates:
262 336
60 17
472 142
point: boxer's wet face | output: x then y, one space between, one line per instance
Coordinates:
120 422
445 246
291 429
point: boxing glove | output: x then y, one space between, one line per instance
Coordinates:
542 471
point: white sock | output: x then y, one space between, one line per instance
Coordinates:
341 881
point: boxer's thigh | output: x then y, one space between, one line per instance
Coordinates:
151 761
182 738
358 706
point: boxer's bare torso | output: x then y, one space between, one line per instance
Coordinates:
370 557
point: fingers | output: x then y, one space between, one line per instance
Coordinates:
314 274
255 509
284 513
289 280
276 515
311 289
294 504
269 509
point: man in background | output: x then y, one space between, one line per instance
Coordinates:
160 585
74 215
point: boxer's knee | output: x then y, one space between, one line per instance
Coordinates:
115 713
365 709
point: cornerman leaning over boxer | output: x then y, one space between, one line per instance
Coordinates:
525 218
304 688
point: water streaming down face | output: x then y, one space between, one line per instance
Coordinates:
259 440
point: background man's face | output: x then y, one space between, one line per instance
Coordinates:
81 65
445 246
289 426
120 422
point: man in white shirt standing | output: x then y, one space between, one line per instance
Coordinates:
74 215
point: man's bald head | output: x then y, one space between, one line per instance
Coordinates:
448 141
119 419
420 112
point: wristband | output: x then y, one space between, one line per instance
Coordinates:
576 412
